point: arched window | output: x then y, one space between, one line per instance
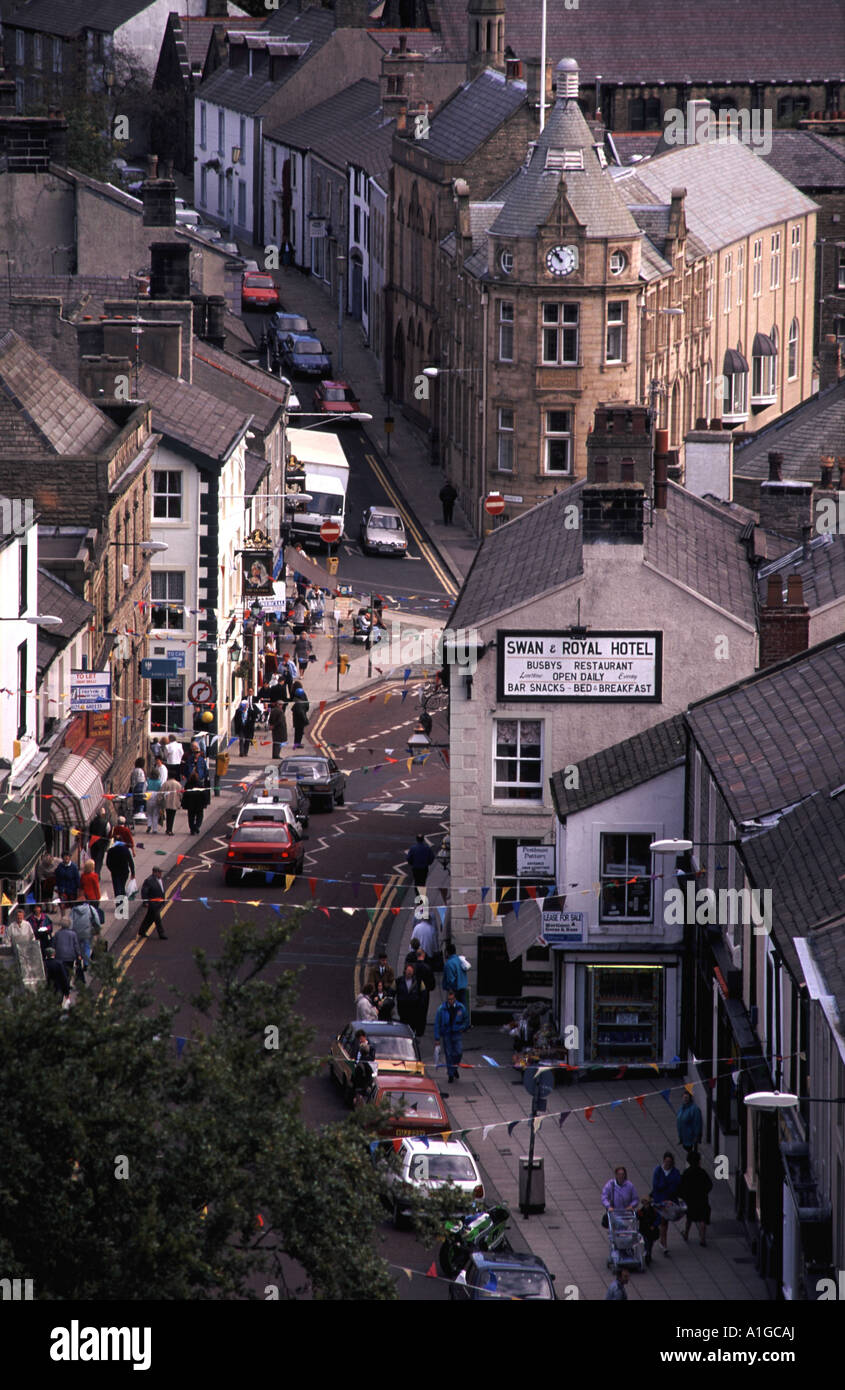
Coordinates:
675 417
707 393
792 351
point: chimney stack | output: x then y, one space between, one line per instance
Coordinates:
621 440
828 362
158 196
784 627
532 84
463 225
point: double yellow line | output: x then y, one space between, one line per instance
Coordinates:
426 550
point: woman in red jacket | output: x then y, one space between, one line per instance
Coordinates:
89 883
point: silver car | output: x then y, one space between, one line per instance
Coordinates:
382 532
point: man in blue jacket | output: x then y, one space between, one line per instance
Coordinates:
690 1124
420 857
665 1181
455 976
449 1024
67 880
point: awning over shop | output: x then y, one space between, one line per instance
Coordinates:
21 841
733 363
522 931
763 346
77 793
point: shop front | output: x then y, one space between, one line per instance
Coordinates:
626 1006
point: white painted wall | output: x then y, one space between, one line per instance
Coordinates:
143 33
244 171
182 541
13 633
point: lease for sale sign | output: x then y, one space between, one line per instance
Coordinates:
612 666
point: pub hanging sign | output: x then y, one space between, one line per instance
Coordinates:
609 666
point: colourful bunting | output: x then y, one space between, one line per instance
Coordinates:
588 1113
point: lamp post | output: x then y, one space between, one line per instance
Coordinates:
232 172
341 267
434 374
644 314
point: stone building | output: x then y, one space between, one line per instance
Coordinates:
87 466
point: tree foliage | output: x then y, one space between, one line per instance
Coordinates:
133 1173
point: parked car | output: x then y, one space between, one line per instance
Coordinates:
304 355
335 398
423 1164
319 777
263 848
288 790
496 1274
258 291
397 1053
382 532
415 1102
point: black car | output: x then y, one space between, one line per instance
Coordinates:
304 355
280 326
494 1274
319 777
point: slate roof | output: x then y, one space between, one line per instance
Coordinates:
800 860
58 599
254 469
692 541
41 412
471 116
779 736
234 89
822 572
61 17
815 427
348 128
190 415
237 384
807 160
590 192
730 192
622 766
197 31
717 40
827 947
633 146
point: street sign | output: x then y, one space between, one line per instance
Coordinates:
494 504
508 498
535 861
330 531
153 668
200 692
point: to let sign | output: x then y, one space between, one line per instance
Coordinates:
90 690
611 666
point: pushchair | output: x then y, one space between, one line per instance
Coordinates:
627 1247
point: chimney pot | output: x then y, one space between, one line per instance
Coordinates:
775 467
600 470
626 471
774 592
152 166
716 423
701 423
795 591
827 474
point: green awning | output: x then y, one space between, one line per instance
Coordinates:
21 840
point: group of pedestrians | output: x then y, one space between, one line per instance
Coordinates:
284 690
673 1195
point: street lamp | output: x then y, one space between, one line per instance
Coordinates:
42 619
644 314
324 418
145 547
684 846
236 159
785 1100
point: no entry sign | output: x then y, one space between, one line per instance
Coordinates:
329 531
494 504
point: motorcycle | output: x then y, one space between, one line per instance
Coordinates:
476 1230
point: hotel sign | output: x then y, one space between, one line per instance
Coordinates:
610 666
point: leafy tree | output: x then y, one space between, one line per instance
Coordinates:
132 1173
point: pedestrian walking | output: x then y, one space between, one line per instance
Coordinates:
173 754
171 800
384 1001
648 1220
425 978
420 857
665 1181
68 949
380 973
690 1124
450 1022
299 714
408 999
244 726
56 974
123 831
694 1189
90 885
618 1194
99 834
289 673
194 762
121 865
278 727
67 881
152 892
303 652
448 496
617 1293
193 801
365 1009
42 928
155 782
138 786
455 975
85 921
425 935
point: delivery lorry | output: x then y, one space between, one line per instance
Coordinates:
317 468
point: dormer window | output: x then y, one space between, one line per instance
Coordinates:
618 262
601 156
564 159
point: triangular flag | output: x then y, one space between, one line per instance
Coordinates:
289 878
588 1113
179 859
176 895
431 1272
204 902
312 884
640 1101
180 1046
484 892
512 1126
564 1115
516 908
471 909
667 1096
538 1120
531 890
620 1074
491 1061
442 912
485 1131
378 889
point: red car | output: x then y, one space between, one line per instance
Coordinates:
415 1103
262 847
258 291
335 398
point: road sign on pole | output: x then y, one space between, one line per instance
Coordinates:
330 532
200 692
494 504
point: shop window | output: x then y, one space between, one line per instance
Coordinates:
624 1014
505 875
626 887
167 705
167 589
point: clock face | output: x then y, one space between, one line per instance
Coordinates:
562 260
